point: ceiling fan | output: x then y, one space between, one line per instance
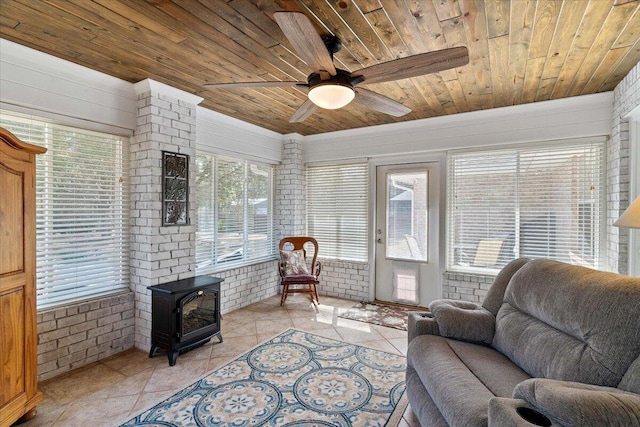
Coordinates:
330 87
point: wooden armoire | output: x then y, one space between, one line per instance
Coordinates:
19 393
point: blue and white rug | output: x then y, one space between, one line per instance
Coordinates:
294 379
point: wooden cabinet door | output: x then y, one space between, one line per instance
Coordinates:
18 346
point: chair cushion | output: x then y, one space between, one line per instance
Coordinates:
300 278
294 262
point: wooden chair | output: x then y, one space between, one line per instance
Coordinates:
296 277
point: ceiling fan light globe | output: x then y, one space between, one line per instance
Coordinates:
331 96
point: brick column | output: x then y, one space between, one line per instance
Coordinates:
166 122
626 97
291 197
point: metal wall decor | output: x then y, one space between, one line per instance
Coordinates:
175 188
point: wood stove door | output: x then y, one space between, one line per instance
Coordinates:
198 315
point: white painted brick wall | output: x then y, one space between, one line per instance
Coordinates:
466 287
246 285
291 200
626 97
158 254
349 280
83 333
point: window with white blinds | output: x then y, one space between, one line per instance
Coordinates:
82 210
543 202
234 213
338 210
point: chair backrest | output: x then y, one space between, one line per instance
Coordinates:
298 243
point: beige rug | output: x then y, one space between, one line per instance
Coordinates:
390 315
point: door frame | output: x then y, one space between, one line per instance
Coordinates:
439 158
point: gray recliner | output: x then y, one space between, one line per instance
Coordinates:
552 344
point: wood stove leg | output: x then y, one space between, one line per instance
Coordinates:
153 350
173 356
220 336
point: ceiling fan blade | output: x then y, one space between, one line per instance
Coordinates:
381 103
307 42
416 65
253 84
304 111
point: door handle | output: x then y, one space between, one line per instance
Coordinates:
379 241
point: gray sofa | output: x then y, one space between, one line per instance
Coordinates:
552 344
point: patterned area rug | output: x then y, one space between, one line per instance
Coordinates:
294 379
393 316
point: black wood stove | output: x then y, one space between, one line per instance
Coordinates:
184 314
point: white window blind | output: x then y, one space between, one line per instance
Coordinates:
337 210
234 215
543 202
82 211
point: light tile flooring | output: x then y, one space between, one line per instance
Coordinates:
113 390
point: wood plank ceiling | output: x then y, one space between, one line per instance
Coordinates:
520 51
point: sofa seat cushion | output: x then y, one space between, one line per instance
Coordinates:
462 377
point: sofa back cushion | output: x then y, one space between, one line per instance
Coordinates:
570 323
495 295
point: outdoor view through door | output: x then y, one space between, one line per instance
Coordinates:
403 232
406 219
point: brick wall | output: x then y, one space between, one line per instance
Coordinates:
291 200
83 333
626 97
466 287
245 285
159 254
342 279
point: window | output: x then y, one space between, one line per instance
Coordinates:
337 210
234 215
82 210
543 202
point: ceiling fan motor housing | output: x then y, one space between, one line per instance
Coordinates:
342 78
333 44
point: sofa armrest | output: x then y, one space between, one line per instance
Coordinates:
507 412
572 403
421 323
463 320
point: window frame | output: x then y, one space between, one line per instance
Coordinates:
210 264
54 204
600 229
326 249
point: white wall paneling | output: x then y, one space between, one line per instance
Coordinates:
40 84
588 115
225 135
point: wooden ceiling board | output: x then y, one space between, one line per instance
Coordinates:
520 29
616 20
519 51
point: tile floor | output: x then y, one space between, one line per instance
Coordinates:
113 390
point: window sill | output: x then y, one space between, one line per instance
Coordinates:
221 269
